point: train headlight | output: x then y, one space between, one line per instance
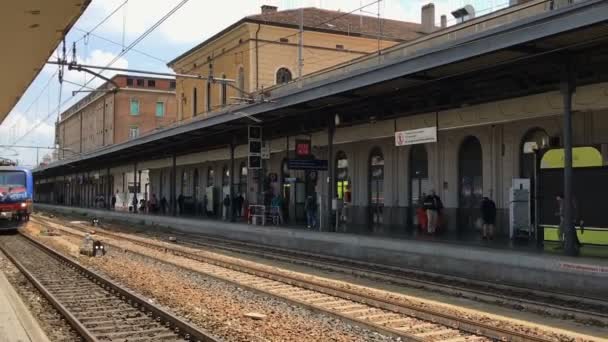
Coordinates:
23 205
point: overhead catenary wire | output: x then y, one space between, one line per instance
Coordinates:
121 45
127 49
102 21
140 38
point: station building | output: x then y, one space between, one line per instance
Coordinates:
485 87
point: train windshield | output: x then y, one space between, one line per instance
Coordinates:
12 182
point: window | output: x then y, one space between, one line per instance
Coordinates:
283 75
134 107
172 85
339 46
194 102
160 109
342 178
140 83
152 83
129 82
208 96
240 80
284 40
133 132
223 88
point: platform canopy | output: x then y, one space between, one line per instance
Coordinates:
30 30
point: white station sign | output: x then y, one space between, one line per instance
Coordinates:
416 136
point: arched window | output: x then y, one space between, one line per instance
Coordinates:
243 179
210 177
343 191
283 75
240 80
470 175
376 187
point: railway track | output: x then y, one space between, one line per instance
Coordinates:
97 308
408 322
586 310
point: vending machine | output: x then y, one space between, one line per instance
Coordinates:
520 224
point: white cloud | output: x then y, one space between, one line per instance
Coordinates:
17 124
99 58
199 20
192 23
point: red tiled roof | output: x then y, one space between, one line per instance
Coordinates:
326 21
342 23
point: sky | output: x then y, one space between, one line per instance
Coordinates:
32 121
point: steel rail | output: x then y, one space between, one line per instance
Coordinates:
407 276
459 323
370 270
180 326
72 321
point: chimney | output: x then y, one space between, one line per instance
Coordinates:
428 18
269 9
444 21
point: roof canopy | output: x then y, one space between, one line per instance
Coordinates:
522 58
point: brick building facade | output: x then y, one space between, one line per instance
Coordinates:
112 116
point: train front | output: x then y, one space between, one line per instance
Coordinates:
16 193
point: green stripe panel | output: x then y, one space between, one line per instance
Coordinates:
595 236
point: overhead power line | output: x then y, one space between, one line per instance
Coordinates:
121 45
140 38
135 42
102 21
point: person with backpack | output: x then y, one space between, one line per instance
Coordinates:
311 211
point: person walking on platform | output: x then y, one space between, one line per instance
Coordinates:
226 207
113 200
180 203
153 204
488 216
239 205
433 206
311 211
562 230
135 202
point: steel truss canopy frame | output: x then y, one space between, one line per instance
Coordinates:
30 30
508 61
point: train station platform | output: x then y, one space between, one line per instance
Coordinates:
524 267
16 322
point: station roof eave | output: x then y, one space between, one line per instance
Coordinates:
511 57
30 30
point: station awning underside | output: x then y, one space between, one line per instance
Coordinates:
523 58
30 30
